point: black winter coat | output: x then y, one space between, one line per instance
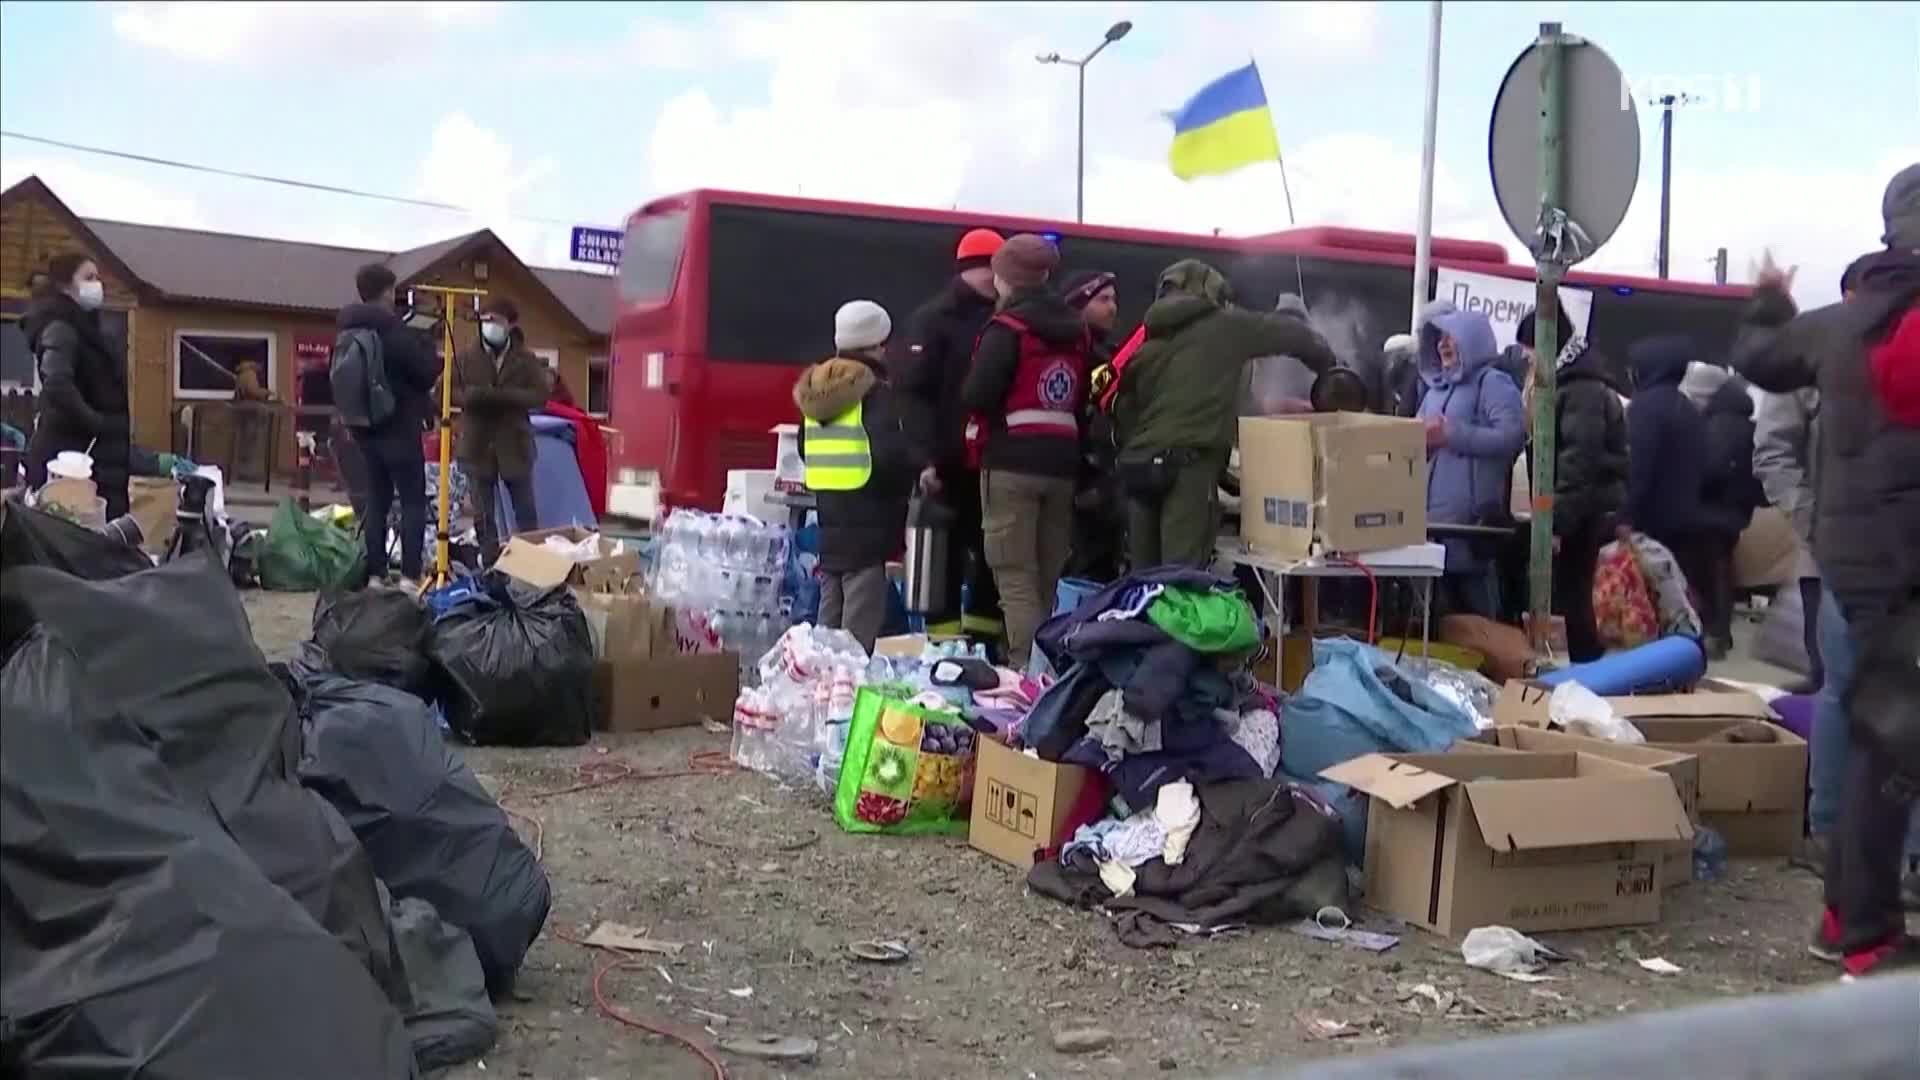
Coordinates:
929 365
1731 492
1867 477
863 528
411 370
1591 462
996 362
1668 445
83 394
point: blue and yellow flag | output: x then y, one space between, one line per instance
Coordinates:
1225 126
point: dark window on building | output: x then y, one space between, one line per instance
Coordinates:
205 362
599 386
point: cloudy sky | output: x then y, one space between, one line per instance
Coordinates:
537 115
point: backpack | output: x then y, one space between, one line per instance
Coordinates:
1895 365
358 372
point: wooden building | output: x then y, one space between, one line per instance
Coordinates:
193 306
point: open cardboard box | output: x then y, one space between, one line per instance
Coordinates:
526 559
1683 769
642 679
1527 839
1349 482
1753 794
1021 804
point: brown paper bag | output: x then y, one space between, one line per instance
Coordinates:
151 501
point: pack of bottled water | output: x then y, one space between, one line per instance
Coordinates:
794 724
724 575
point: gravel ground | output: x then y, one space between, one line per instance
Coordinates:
766 895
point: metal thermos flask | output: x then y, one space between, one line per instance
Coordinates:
929 531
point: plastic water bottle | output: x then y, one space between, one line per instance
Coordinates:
1709 854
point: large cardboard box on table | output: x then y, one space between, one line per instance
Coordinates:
1676 864
1527 839
1753 794
1022 805
1346 482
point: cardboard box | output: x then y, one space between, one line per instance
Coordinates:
1347 482
524 558
1531 840
1021 804
669 690
1753 794
1683 769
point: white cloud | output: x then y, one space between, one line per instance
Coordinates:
257 32
471 166
103 193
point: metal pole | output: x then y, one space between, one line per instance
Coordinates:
1080 149
1423 230
1666 178
1546 324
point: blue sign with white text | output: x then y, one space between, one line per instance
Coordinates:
600 246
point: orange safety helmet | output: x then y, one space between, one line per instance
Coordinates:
978 245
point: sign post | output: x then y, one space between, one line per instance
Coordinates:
1562 199
601 247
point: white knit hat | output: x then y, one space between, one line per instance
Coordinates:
861 324
1401 343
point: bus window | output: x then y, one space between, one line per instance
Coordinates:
651 258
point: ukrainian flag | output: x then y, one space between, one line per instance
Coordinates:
1225 126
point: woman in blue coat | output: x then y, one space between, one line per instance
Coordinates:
1476 426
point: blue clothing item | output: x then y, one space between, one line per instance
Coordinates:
1470 479
1832 741
1829 746
1348 707
1057 637
559 493
1138 778
1667 444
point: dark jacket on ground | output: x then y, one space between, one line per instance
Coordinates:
1731 492
495 436
1591 462
83 392
929 365
411 369
1181 390
1867 475
1668 444
1263 853
864 528
995 364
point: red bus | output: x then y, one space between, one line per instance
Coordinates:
724 296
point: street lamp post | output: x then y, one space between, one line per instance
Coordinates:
1114 33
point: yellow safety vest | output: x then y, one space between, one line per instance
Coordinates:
838 455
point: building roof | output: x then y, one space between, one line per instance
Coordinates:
222 267
193 264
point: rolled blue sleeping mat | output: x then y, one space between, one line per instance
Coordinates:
1670 663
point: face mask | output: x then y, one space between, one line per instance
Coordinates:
493 333
90 294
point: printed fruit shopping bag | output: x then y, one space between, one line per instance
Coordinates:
908 769
1623 607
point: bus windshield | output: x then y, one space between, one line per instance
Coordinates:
652 257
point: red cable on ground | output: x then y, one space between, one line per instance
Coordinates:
596 774
603 968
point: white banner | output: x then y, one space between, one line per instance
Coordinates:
1504 301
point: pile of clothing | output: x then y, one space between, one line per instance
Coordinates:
1155 696
1154 688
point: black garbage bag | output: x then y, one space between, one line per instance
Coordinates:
516 665
140 940
433 833
31 538
170 648
377 634
452 1019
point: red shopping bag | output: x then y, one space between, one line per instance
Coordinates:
1623 607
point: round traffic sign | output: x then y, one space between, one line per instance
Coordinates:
1600 137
